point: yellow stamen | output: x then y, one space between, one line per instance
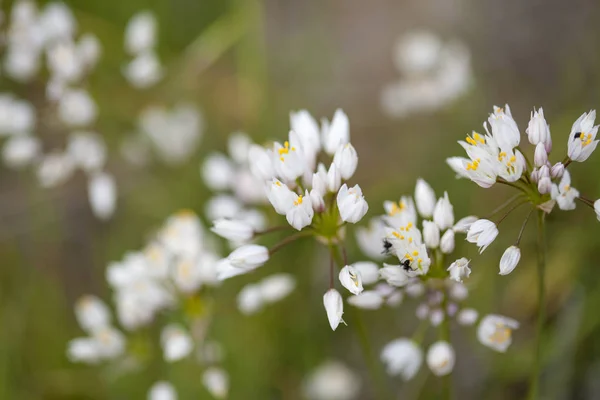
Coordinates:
299 201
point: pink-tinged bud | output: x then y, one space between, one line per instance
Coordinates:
557 170
545 185
535 176
540 156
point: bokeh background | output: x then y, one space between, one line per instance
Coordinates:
247 64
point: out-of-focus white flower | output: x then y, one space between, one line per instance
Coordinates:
20 151
276 287
402 357
447 242
21 65
370 239
334 306
216 381
249 257
176 343
351 203
105 343
564 193
368 300
144 71
54 169
218 172
83 350
249 299
102 193
76 108
394 275
187 275
140 33
417 52
301 213
346 160
369 271
260 163
91 313
332 381
431 234
162 390
308 132
495 332
87 150
443 213
538 130
482 232
236 231
459 269
222 206
597 209
509 260
57 22
64 62
467 316
89 50
441 358
17 117
424 198
582 139
351 280
337 133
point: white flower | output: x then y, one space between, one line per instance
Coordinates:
394 275
564 194
249 257
351 280
482 232
346 160
370 239
280 196
64 62
447 242
443 214
400 213
20 151
368 271
88 151
260 163
368 300
597 209
57 22
351 203
89 50
540 157
319 180
431 234
538 130
288 160
102 193
187 275
337 133
495 332
233 230
105 343
308 132
92 314
301 213
76 108
463 224
509 260
216 381
162 390
467 316
54 169
276 287
333 178
425 199
557 170
334 306
459 269
144 70
218 172
317 201
332 381
441 358
140 34
582 139
402 357
225 270
504 128
249 299
176 343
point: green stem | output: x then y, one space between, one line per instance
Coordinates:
360 329
541 267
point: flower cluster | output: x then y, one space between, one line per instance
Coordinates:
495 157
304 179
434 74
166 276
424 274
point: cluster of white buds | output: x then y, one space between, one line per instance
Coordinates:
144 70
495 157
314 197
166 276
434 73
423 273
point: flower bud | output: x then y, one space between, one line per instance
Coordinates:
216 381
424 198
440 358
459 269
545 185
317 201
483 232
538 130
467 316
319 181
337 133
176 343
350 279
557 170
431 234
443 213
447 242
535 175
402 357
351 204
334 306
249 257
236 231
102 192
334 178
346 160
540 156
509 260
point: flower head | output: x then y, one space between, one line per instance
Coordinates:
495 332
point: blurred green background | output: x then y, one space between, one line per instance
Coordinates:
247 63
